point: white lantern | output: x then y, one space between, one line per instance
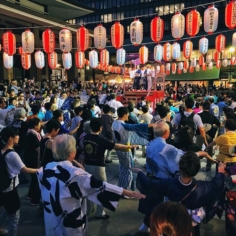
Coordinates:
136 32
39 59
120 56
27 38
7 61
203 45
180 65
104 57
67 60
65 40
158 69
187 49
225 63
158 53
185 70
176 52
93 59
177 25
234 40
197 68
210 66
208 58
193 62
167 66
100 37
211 16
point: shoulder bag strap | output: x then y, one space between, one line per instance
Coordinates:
188 193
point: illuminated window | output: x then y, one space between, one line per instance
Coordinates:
166 10
109 17
105 18
128 29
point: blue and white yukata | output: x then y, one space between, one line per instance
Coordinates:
66 107
128 134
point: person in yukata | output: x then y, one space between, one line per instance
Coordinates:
128 134
65 189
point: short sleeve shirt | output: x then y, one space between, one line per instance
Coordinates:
196 119
14 166
94 149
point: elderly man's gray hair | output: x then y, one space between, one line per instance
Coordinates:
19 113
86 127
62 146
160 128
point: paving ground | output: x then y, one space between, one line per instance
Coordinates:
124 222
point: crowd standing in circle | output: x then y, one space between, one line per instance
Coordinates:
62 135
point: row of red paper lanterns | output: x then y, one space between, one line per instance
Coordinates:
178 26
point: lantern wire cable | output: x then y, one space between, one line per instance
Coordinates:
125 18
164 41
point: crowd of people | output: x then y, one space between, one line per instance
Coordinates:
62 136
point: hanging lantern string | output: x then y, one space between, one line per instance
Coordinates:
163 41
102 21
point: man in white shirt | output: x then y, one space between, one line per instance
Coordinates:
149 78
113 103
62 99
9 198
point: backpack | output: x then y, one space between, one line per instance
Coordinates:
5 180
187 121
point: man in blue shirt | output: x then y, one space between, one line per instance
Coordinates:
221 105
214 109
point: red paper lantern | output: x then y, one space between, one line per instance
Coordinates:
26 60
117 35
82 38
192 23
173 68
179 71
191 69
216 56
143 54
201 60
20 50
48 41
204 66
157 29
220 43
52 60
218 64
9 43
186 64
230 14
104 57
162 69
167 52
79 60
187 49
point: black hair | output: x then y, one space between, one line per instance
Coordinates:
121 111
11 100
189 164
130 108
52 124
33 122
6 133
227 110
95 124
162 111
197 104
145 109
35 109
230 124
48 105
211 99
87 115
106 109
78 110
230 115
142 98
206 105
189 103
57 113
112 96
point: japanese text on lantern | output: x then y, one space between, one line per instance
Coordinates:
190 19
51 41
159 29
211 19
100 36
26 42
62 33
6 42
133 32
234 14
